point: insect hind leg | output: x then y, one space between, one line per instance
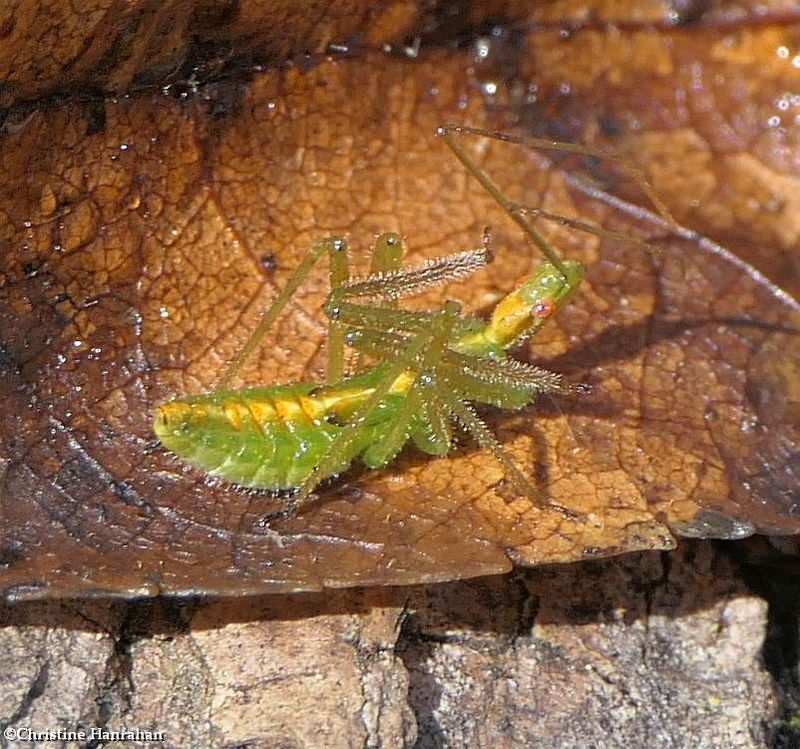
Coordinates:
630 167
336 249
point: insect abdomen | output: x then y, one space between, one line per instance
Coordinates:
268 438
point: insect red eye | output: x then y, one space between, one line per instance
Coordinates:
545 308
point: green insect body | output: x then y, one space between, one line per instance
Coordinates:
430 367
272 438
267 438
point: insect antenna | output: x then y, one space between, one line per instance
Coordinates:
507 205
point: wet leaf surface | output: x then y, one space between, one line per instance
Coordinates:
142 236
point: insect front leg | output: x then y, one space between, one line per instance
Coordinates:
426 375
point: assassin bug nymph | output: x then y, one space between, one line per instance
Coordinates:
429 366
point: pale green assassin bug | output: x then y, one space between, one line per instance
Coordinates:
430 365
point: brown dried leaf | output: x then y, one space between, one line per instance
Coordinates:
711 114
113 46
136 233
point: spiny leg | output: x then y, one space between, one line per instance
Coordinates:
397 435
435 435
629 166
438 330
392 285
506 383
402 283
483 435
510 389
467 416
510 373
387 257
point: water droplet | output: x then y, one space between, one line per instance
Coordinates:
749 424
268 261
412 50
